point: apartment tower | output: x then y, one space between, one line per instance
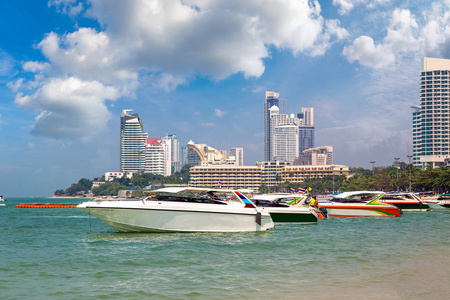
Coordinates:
431 119
132 143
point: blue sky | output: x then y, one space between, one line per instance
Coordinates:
200 69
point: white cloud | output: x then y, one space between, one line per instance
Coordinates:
169 42
69 108
207 124
213 38
15 86
219 113
368 54
6 63
345 6
406 36
400 39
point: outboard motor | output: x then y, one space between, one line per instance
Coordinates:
324 211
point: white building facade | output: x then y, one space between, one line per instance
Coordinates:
431 121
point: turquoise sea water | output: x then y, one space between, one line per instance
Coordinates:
62 253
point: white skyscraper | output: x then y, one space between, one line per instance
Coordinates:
132 143
431 120
278 152
156 157
286 143
174 147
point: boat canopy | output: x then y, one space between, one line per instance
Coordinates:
358 196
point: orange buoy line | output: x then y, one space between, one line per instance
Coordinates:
47 205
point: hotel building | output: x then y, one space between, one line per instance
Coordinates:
431 119
300 173
204 155
235 177
252 177
317 156
132 143
157 157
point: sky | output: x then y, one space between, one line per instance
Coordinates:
199 70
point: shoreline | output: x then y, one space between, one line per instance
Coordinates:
68 197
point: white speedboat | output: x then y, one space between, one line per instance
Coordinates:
443 200
182 209
286 207
1 200
360 204
405 201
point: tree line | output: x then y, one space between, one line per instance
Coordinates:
406 177
137 183
389 178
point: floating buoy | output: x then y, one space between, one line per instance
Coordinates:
47 205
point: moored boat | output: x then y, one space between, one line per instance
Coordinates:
182 209
286 207
444 200
360 204
405 201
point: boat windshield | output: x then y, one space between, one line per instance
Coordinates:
281 202
358 198
398 197
202 197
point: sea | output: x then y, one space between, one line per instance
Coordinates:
63 253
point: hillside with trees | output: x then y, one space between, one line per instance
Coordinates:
138 182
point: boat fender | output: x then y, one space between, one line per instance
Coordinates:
258 218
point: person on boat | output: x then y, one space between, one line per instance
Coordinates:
313 202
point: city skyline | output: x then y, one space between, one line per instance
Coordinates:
69 67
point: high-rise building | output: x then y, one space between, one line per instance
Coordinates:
272 98
431 119
306 129
285 146
283 137
157 157
132 143
238 154
174 148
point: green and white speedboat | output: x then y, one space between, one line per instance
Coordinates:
286 208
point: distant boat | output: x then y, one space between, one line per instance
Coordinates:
2 198
405 201
182 209
444 200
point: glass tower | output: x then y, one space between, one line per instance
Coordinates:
132 143
272 99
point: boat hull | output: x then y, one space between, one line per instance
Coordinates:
410 206
344 210
291 215
169 217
